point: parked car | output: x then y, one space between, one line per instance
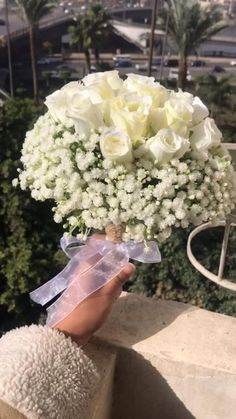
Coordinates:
65 67
48 60
43 60
198 63
218 69
156 62
171 62
56 74
124 66
233 63
174 74
60 69
121 57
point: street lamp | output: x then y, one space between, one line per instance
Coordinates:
8 48
152 36
165 39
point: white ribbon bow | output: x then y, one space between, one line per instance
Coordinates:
92 265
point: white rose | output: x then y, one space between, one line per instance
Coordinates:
130 114
57 105
77 87
58 102
200 111
181 95
72 87
116 145
205 135
179 114
166 145
85 114
158 119
103 85
146 86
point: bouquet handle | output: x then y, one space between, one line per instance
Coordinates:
114 232
91 267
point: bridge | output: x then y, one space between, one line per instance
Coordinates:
131 24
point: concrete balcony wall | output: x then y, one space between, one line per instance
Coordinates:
101 400
174 361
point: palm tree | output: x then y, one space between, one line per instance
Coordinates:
78 38
31 11
90 32
99 28
189 26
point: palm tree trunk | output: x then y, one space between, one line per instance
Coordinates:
33 61
87 57
9 48
183 68
97 57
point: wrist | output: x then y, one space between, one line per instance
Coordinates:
74 327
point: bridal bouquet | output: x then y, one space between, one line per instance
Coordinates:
128 153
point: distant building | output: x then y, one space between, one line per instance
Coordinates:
228 6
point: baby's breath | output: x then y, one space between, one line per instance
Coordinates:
150 190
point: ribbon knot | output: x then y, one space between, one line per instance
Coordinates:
92 264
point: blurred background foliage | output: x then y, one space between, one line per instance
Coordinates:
176 279
29 238
29 241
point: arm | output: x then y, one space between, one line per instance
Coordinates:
43 372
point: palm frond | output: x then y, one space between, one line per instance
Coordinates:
33 11
92 28
190 24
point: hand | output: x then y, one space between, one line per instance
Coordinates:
89 315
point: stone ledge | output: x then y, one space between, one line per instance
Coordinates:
101 402
175 361
173 331
152 388
8 412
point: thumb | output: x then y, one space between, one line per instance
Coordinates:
126 273
114 287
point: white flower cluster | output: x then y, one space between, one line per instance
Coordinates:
128 152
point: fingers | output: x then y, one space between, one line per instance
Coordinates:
125 274
114 287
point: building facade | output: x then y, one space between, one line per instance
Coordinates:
229 6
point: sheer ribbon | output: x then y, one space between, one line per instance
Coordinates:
92 265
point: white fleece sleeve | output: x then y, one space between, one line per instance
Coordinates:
45 375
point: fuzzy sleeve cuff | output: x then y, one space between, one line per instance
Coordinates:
45 375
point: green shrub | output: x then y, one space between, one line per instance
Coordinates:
176 279
28 236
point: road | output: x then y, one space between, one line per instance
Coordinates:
22 72
79 66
